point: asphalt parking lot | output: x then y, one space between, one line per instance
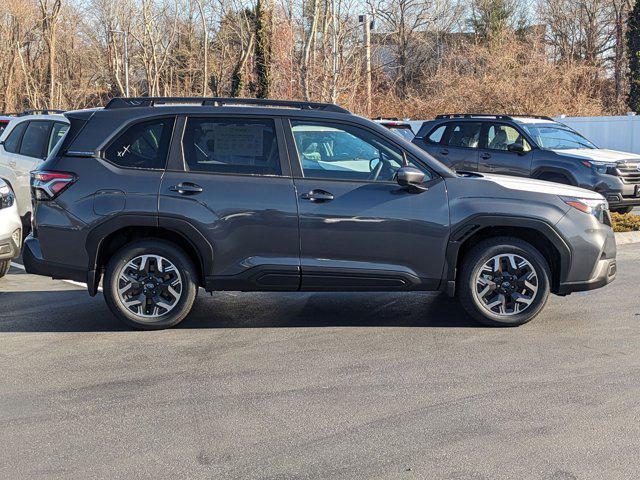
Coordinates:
273 386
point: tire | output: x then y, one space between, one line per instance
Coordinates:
174 291
622 210
516 312
4 267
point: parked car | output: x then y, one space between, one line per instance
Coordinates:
397 126
24 144
10 228
157 197
536 147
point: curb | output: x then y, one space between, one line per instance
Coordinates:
623 238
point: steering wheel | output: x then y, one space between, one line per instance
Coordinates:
375 170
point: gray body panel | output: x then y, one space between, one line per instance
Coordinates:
257 232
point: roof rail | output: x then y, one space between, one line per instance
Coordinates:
123 102
39 111
491 115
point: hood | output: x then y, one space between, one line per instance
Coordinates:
599 155
540 186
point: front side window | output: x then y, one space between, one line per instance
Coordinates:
12 142
227 145
557 137
344 152
504 137
143 145
463 134
35 140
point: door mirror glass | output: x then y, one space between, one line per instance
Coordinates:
411 177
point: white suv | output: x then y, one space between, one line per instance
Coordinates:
25 142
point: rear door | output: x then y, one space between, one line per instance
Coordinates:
455 144
504 150
231 181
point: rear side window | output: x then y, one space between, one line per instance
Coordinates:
12 142
463 134
35 140
143 145
228 145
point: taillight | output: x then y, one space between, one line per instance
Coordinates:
46 186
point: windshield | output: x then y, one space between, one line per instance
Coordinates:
557 137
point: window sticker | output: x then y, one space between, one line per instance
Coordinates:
240 140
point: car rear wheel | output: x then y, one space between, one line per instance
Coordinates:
150 285
4 267
504 281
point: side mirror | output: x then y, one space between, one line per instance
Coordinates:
516 148
411 178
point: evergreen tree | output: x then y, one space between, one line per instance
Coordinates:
633 47
263 49
490 17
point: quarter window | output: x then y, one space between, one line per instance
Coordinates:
143 145
228 145
35 140
57 133
343 152
12 142
436 135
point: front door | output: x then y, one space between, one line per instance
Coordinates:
504 151
228 179
359 230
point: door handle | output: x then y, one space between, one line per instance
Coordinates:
444 152
318 196
186 188
485 156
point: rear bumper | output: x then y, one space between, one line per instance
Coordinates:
35 264
605 274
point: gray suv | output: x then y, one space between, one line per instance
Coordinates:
156 197
536 147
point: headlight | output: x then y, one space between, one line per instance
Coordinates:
600 167
597 208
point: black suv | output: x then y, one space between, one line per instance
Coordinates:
158 197
536 147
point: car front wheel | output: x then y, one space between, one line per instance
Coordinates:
504 281
150 284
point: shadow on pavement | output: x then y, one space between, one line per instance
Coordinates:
75 311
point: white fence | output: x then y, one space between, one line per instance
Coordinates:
615 133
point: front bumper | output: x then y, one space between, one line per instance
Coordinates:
605 274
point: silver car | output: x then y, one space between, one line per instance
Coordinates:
10 228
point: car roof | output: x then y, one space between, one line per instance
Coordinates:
13 121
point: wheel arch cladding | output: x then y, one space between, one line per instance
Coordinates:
538 233
108 237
